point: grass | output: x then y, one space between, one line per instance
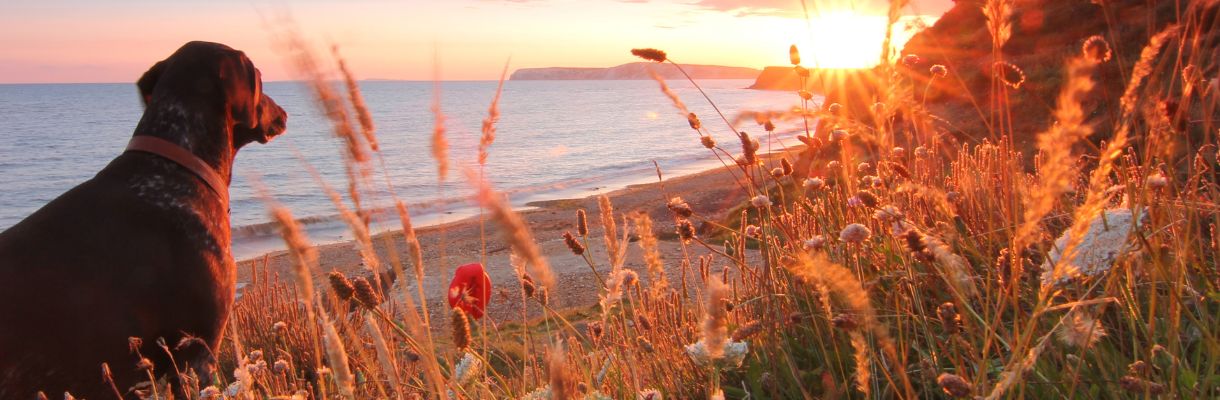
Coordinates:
979 275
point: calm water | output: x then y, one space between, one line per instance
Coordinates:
555 139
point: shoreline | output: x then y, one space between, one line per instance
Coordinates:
710 192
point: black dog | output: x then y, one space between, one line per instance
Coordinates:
142 249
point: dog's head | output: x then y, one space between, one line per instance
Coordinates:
221 80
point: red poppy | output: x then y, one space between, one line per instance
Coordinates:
470 289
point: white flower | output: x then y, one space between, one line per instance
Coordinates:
466 369
760 201
753 231
734 354
898 152
887 214
210 392
1108 236
855 233
864 167
815 243
1156 181
814 183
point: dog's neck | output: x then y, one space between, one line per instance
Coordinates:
204 134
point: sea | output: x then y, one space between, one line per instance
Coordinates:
554 140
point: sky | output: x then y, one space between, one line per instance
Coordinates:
68 41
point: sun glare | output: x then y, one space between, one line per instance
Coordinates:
846 40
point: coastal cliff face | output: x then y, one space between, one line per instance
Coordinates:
1045 35
633 71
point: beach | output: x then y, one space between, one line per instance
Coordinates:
711 193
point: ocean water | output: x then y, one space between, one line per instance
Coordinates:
555 139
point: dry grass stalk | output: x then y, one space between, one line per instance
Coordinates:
440 144
652 256
1055 164
999 21
489 123
461 328
714 327
385 358
516 233
562 380
413 248
673 97
610 232
864 362
367 129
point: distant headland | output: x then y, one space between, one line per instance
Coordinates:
632 71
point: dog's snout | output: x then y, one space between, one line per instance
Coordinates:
274 118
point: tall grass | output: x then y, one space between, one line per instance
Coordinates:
933 287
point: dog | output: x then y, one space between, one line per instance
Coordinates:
140 252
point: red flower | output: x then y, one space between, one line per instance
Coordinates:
470 289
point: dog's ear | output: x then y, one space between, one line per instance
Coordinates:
148 81
243 84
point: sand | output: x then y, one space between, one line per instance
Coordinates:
710 193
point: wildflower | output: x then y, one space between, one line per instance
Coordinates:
794 56
749 147
867 199
1096 48
855 233
279 326
280 366
801 71
208 393
686 230
760 201
734 354
573 244
837 134
854 201
650 54
693 120
256 355
753 231
746 331
833 166
341 285
950 320
921 152
365 293
864 167
707 141
954 385
648 394
814 243
1156 181
911 60
1080 329
1107 237
887 214
814 183
844 322
144 364
679 207
769 126
628 277
1139 385
953 196
834 108
467 368
595 330
805 95
939 71
1010 75
898 152
582 223
777 172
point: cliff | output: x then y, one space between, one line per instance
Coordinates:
637 70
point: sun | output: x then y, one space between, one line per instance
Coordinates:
844 39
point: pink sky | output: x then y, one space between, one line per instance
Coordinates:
115 41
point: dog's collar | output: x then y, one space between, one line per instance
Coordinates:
181 156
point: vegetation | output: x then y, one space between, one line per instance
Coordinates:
893 260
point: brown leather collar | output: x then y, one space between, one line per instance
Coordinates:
181 156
